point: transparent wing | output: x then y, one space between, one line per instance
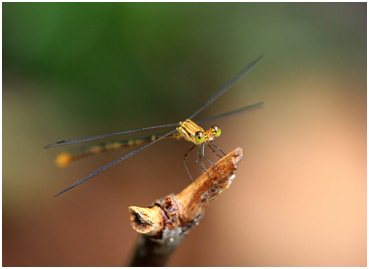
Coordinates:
233 112
228 85
107 166
89 138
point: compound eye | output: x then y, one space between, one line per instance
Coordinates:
199 137
216 130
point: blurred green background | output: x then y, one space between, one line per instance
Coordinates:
78 69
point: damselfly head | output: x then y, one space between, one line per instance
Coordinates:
215 130
200 137
209 135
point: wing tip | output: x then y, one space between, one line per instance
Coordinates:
67 189
55 144
56 195
61 192
258 60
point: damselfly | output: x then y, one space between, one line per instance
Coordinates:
187 130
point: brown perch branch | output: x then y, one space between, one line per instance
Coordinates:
163 225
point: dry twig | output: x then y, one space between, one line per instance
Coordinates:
164 225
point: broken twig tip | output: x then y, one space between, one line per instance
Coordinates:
169 220
146 221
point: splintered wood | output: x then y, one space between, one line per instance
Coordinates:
169 220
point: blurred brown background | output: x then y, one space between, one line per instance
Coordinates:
72 70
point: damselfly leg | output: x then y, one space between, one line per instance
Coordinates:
185 161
